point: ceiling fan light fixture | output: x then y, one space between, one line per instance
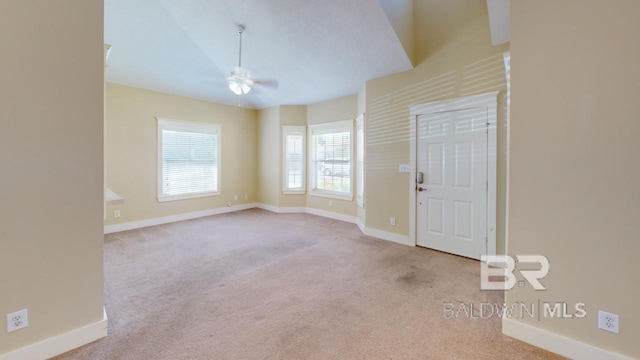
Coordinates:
239 81
239 88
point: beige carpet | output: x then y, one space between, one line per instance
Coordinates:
259 285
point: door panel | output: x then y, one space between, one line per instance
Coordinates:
435 221
435 171
463 220
452 153
463 167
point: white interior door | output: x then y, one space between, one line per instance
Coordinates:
452 202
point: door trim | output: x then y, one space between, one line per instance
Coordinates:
486 100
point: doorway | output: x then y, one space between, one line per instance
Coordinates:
453 162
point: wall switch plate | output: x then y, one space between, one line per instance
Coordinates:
609 322
392 221
404 168
330 203
116 214
17 320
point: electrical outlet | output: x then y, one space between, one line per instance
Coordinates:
392 221
235 197
609 322
330 203
17 320
116 214
246 196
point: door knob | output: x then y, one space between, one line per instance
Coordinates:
420 188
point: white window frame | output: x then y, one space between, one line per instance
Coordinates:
189 126
327 128
360 160
287 131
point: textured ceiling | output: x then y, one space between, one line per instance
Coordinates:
316 50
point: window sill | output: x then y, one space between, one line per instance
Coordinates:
294 192
331 195
112 198
167 198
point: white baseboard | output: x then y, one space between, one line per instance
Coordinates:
384 235
307 210
268 207
331 215
553 342
281 210
380 234
292 210
60 344
108 229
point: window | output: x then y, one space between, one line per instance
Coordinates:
330 169
360 162
294 159
188 160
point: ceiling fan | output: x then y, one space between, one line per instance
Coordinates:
240 82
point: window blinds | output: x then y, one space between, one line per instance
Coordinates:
188 161
331 158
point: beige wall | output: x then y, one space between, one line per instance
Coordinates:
271 121
270 148
344 108
51 109
574 160
574 145
446 26
400 16
132 143
454 44
269 156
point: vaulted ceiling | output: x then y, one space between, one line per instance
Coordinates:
316 50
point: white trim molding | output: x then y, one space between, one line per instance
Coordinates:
360 225
380 234
553 342
384 235
486 100
183 126
307 210
331 215
326 129
108 229
294 131
60 344
507 70
281 210
360 160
